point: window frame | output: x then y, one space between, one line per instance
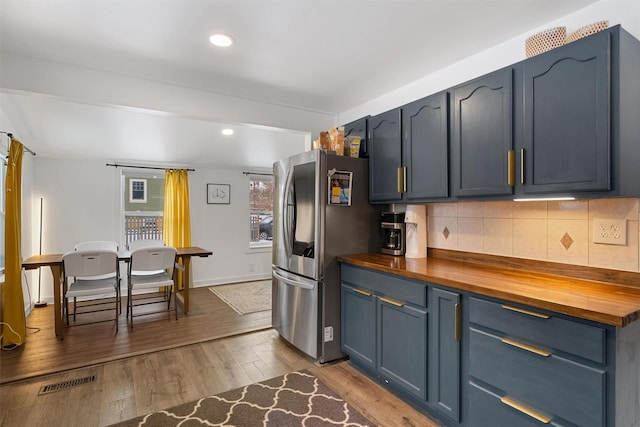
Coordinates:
260 244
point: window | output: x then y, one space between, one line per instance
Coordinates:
260 210
143 197
137 190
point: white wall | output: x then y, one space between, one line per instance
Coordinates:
82 202
624 12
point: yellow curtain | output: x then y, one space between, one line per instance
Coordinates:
13 301
176 227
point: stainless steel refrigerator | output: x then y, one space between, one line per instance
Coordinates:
321 210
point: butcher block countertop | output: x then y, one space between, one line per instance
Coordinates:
605 302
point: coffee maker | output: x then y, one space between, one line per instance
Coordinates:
393 233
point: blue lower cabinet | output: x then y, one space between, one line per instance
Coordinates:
559 387
402 353
359 325
444 352
490 409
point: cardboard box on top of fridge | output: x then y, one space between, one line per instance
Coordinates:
336 136
322 142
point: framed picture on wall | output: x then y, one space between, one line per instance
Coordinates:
218 194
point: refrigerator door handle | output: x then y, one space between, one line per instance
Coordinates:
301 283
286 218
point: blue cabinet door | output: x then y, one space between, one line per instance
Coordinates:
483 136
358 326
385 156
444 353
425 148
402 351
358 128
567 118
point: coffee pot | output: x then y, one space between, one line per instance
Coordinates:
393 233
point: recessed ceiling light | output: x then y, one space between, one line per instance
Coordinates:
227 132
221 40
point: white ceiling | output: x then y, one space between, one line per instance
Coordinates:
317 55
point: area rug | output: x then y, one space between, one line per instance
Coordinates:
295 399
246 297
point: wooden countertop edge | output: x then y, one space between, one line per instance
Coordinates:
610 291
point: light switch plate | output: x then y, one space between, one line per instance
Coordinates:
610 231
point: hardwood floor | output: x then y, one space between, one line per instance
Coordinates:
85 345
133 386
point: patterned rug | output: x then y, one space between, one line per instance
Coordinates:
245 297
295 399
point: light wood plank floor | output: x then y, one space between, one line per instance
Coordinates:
43 353
135 385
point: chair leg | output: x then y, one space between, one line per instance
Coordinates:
175 300
74 308
117 302
119 293
65 308
130 306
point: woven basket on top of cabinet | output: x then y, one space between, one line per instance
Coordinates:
587 30
545 40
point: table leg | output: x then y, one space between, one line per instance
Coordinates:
186 261
56 271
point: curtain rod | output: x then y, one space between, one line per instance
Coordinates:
256 173
115 165
10 135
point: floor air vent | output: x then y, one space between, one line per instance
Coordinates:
66 384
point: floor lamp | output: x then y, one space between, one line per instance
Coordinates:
40 303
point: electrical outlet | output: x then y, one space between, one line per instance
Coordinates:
610 231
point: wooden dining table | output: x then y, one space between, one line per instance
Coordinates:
54 262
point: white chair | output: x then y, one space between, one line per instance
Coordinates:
94 245
146 243
93 275
150 269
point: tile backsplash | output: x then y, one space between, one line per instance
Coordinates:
556 231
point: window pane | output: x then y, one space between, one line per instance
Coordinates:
261 210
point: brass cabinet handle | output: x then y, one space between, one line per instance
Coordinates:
526 347
360 291
523 311
511 168
400 184
392 302
404 179
522 166
520 407
457 332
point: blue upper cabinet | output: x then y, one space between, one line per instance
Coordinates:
425 148
385 157
580 119
359 128
482 148
566 118
562 123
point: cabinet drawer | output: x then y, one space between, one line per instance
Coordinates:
552 384
396 287
547 331
486 409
